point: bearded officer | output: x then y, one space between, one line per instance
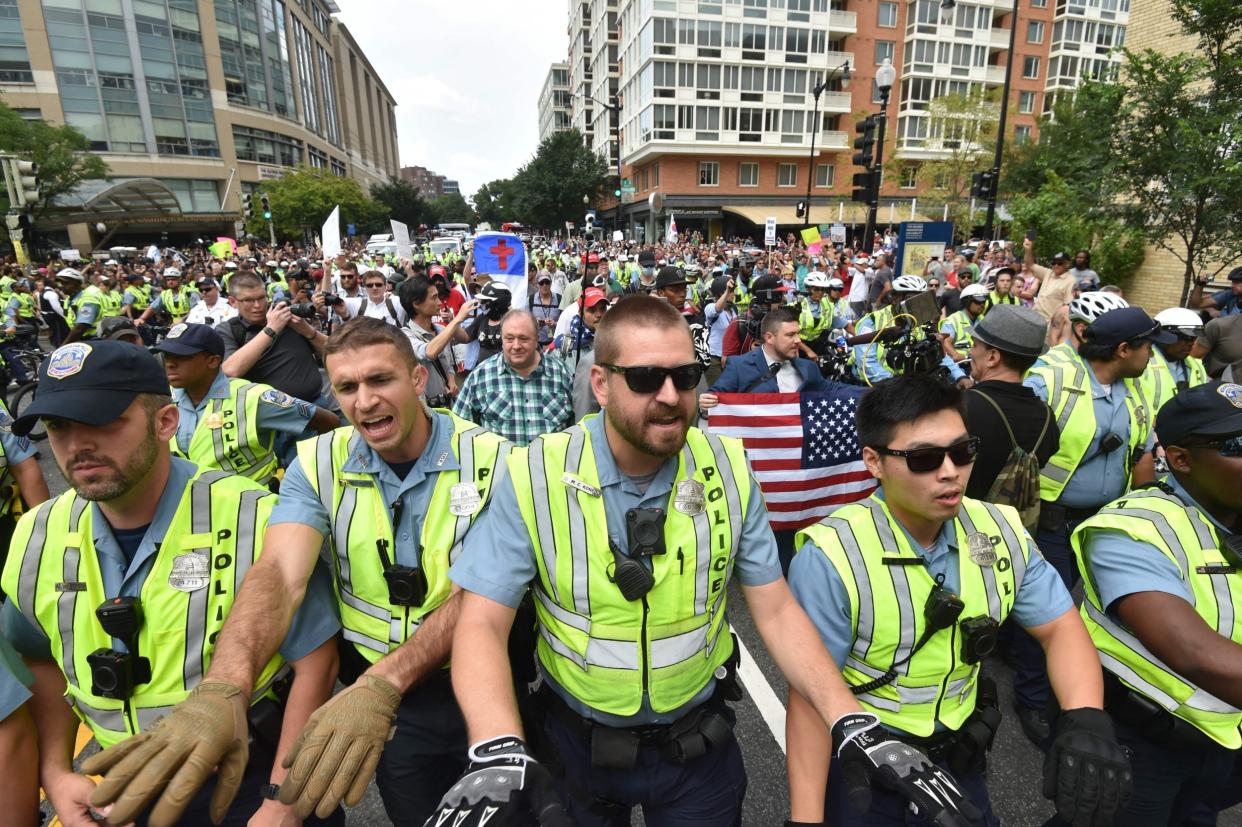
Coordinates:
628 527
908 589
117 590
1159 567
393 496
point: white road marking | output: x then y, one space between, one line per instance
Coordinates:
760 691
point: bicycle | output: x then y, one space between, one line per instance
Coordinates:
20 400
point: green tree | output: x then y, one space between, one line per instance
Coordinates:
963 128
450 208
550 187
403 201
59 151
306 197
1176 141
494 202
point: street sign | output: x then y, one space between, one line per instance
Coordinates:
769 232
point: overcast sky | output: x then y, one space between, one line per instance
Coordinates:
466 75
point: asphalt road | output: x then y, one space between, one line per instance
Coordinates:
1014 767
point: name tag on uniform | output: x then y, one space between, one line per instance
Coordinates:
902 561
1216 568
71 586
574 482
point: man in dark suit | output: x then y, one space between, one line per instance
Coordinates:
772 367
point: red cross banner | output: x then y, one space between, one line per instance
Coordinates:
503 257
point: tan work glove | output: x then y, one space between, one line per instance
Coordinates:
206 730
337 751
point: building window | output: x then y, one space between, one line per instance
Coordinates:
887 15
655 175
1026 102
14 60
1039 4
885 50
825 175
338 168
263 147
909 177
787 175
709 174
1030 67
748 175
1035 31
1021 134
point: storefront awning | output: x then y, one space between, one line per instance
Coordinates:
118 202
787 215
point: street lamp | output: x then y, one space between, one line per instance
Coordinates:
615 109
946 7
844 72
885 79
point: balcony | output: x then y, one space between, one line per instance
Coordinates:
835 102
998 38
832 139
995 75
843 21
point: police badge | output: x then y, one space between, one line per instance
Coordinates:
464 499
190 572
689 499
981 550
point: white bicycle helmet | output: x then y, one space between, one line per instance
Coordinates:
69 273
1090 306
974 291
818 280
835 283
1180 320
909 284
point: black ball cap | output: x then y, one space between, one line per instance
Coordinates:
1126 324
669 277
1213 409
92 383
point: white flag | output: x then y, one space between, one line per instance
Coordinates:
332 234
401 235
672 228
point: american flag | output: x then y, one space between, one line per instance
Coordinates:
803 448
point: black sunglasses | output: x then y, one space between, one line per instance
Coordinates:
1229 447
926 460
374 284
650 378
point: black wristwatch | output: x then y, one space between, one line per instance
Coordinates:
268 330
270 791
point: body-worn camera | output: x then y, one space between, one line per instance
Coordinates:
407 586
979 637
1111 442
116 674
645 528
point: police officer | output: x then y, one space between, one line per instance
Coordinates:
20 310
1081 312
908 589
957 329
869 360
627 527
137 297
393 495
1162 594
117 590
821 312
22 486
229 424
1105 449
174 301
111 297
83 304
1172 369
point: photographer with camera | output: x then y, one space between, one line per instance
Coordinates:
150 551
433 342
907 590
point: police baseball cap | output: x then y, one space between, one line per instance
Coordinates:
187 339
92 383
1013 329
1127 324
669 277
135 277
1208 410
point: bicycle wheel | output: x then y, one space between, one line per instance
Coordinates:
19 401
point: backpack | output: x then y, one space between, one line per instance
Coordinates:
1017 484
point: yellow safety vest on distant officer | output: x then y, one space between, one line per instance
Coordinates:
811 328
963 330
1158 383
26 307
87 295
54 577
1192 544
142 297
227 435
606 651
111 302
1069 397
361 521
887 598
176 303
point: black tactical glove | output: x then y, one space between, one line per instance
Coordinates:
1086 772
869 755
502 786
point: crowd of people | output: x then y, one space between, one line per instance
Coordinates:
504 525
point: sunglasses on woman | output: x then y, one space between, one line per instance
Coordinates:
647 379
929 459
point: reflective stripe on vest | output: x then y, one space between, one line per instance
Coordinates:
1158 381
234 443
360 520
176 304
211 542
25 305
142 296
887 601
1191 542
1069 397
963 330
598 646
111 302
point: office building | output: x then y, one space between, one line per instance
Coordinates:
555 105
192 102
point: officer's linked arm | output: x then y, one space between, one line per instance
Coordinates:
30 482
56 724
809 749
482 677
1144 470
1073 663
423 652
324 420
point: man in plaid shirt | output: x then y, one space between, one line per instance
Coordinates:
519 393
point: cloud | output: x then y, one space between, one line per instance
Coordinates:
466 76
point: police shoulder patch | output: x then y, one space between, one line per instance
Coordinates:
6 422
67 360
1232 392
278 398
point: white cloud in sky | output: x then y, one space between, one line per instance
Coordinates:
466 76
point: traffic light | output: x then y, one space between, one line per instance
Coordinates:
267 207
865 186
800 210
616 186
25 182
247 200
865 143
983 185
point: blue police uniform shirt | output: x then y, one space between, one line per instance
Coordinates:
16 448
1100 477
10 311
1121 565
314 623
867 360
300 504
817 585
285 419
15 680
84 314
497 560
